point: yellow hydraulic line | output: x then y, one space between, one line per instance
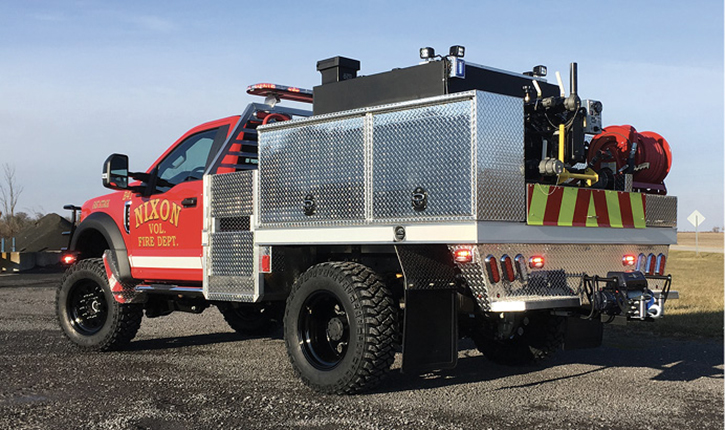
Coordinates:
589 175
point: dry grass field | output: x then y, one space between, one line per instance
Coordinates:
699 311
705 239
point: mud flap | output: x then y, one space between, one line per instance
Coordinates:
430 331
582 333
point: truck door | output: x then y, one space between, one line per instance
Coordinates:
165 224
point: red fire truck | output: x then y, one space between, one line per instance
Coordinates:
409 209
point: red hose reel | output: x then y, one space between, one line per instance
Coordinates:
652 157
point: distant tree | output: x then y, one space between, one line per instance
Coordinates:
716 229
10 190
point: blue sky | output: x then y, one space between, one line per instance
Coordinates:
80 80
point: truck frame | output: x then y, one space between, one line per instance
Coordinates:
410 209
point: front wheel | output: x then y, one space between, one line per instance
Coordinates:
87 312
340 328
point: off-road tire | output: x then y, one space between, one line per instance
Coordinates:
340 328
250 320
541 338
87 312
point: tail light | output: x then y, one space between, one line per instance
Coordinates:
521 268
507 266
649 268
492 269
629 260
536 262
660 266
463 255
641 259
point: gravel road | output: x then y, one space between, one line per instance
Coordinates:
192 372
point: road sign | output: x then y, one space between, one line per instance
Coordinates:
696 219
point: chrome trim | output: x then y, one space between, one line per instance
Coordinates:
534 303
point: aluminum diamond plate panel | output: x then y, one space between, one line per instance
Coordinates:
231 194
427 147
231 265
320 165
499 128
561 276
660 211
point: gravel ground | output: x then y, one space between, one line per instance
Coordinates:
192 372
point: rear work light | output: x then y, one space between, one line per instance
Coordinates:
629 260
492 269
536 262
463 255
660 265
507 266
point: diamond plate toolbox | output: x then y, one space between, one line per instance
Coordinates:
229 257
457 157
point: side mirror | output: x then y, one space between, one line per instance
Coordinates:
115 172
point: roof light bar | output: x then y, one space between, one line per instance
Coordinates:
281 91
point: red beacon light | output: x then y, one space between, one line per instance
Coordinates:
68 258
536 262
463 255
629 260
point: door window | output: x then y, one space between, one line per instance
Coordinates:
187 161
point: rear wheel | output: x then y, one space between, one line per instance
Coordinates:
87 312
537 336
340 328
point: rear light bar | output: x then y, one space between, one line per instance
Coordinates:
629 260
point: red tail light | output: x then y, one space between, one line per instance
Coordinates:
629 260
507 265
463 255
649 268
492 269
265 264
536 262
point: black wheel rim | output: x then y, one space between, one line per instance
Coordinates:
87 307
324 330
